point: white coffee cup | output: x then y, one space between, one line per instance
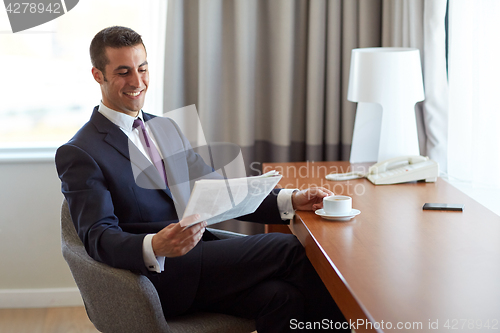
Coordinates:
337 205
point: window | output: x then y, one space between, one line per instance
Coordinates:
47 87
474 115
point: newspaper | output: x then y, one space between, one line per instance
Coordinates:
217 200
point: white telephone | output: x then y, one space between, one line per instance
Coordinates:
396 170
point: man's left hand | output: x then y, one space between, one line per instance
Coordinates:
310 199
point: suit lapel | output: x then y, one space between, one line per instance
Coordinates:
145 173
114 135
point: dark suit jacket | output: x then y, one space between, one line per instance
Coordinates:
112 214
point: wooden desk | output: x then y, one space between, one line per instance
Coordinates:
395 263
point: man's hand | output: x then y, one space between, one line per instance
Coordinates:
310 199
175 241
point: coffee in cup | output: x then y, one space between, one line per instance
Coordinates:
337 205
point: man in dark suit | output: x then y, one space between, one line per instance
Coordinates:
125 225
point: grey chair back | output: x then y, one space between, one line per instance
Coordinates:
118 300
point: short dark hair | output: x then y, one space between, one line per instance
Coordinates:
114 37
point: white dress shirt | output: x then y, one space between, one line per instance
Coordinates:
125 122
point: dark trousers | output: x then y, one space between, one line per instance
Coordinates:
265 277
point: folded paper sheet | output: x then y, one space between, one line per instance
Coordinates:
217 200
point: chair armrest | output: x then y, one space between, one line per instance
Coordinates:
224 234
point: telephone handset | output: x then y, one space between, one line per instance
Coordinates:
403 169
396 170
390 163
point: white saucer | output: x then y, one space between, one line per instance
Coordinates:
343 217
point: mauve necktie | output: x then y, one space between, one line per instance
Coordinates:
152 151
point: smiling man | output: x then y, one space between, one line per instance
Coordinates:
125 85
264 277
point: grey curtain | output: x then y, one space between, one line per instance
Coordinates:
269 76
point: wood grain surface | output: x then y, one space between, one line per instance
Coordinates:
397 264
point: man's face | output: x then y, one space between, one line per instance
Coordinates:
125 79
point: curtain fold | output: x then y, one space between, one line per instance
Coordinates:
270 76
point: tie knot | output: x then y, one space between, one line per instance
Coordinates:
138 122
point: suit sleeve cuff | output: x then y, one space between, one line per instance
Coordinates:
153 263
285 206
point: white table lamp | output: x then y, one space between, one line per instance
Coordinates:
386 82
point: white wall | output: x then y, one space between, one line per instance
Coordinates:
33 272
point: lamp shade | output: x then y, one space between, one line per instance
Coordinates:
386 82
378 73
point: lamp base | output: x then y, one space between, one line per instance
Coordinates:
366 135
381 133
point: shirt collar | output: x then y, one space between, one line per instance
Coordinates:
120 119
